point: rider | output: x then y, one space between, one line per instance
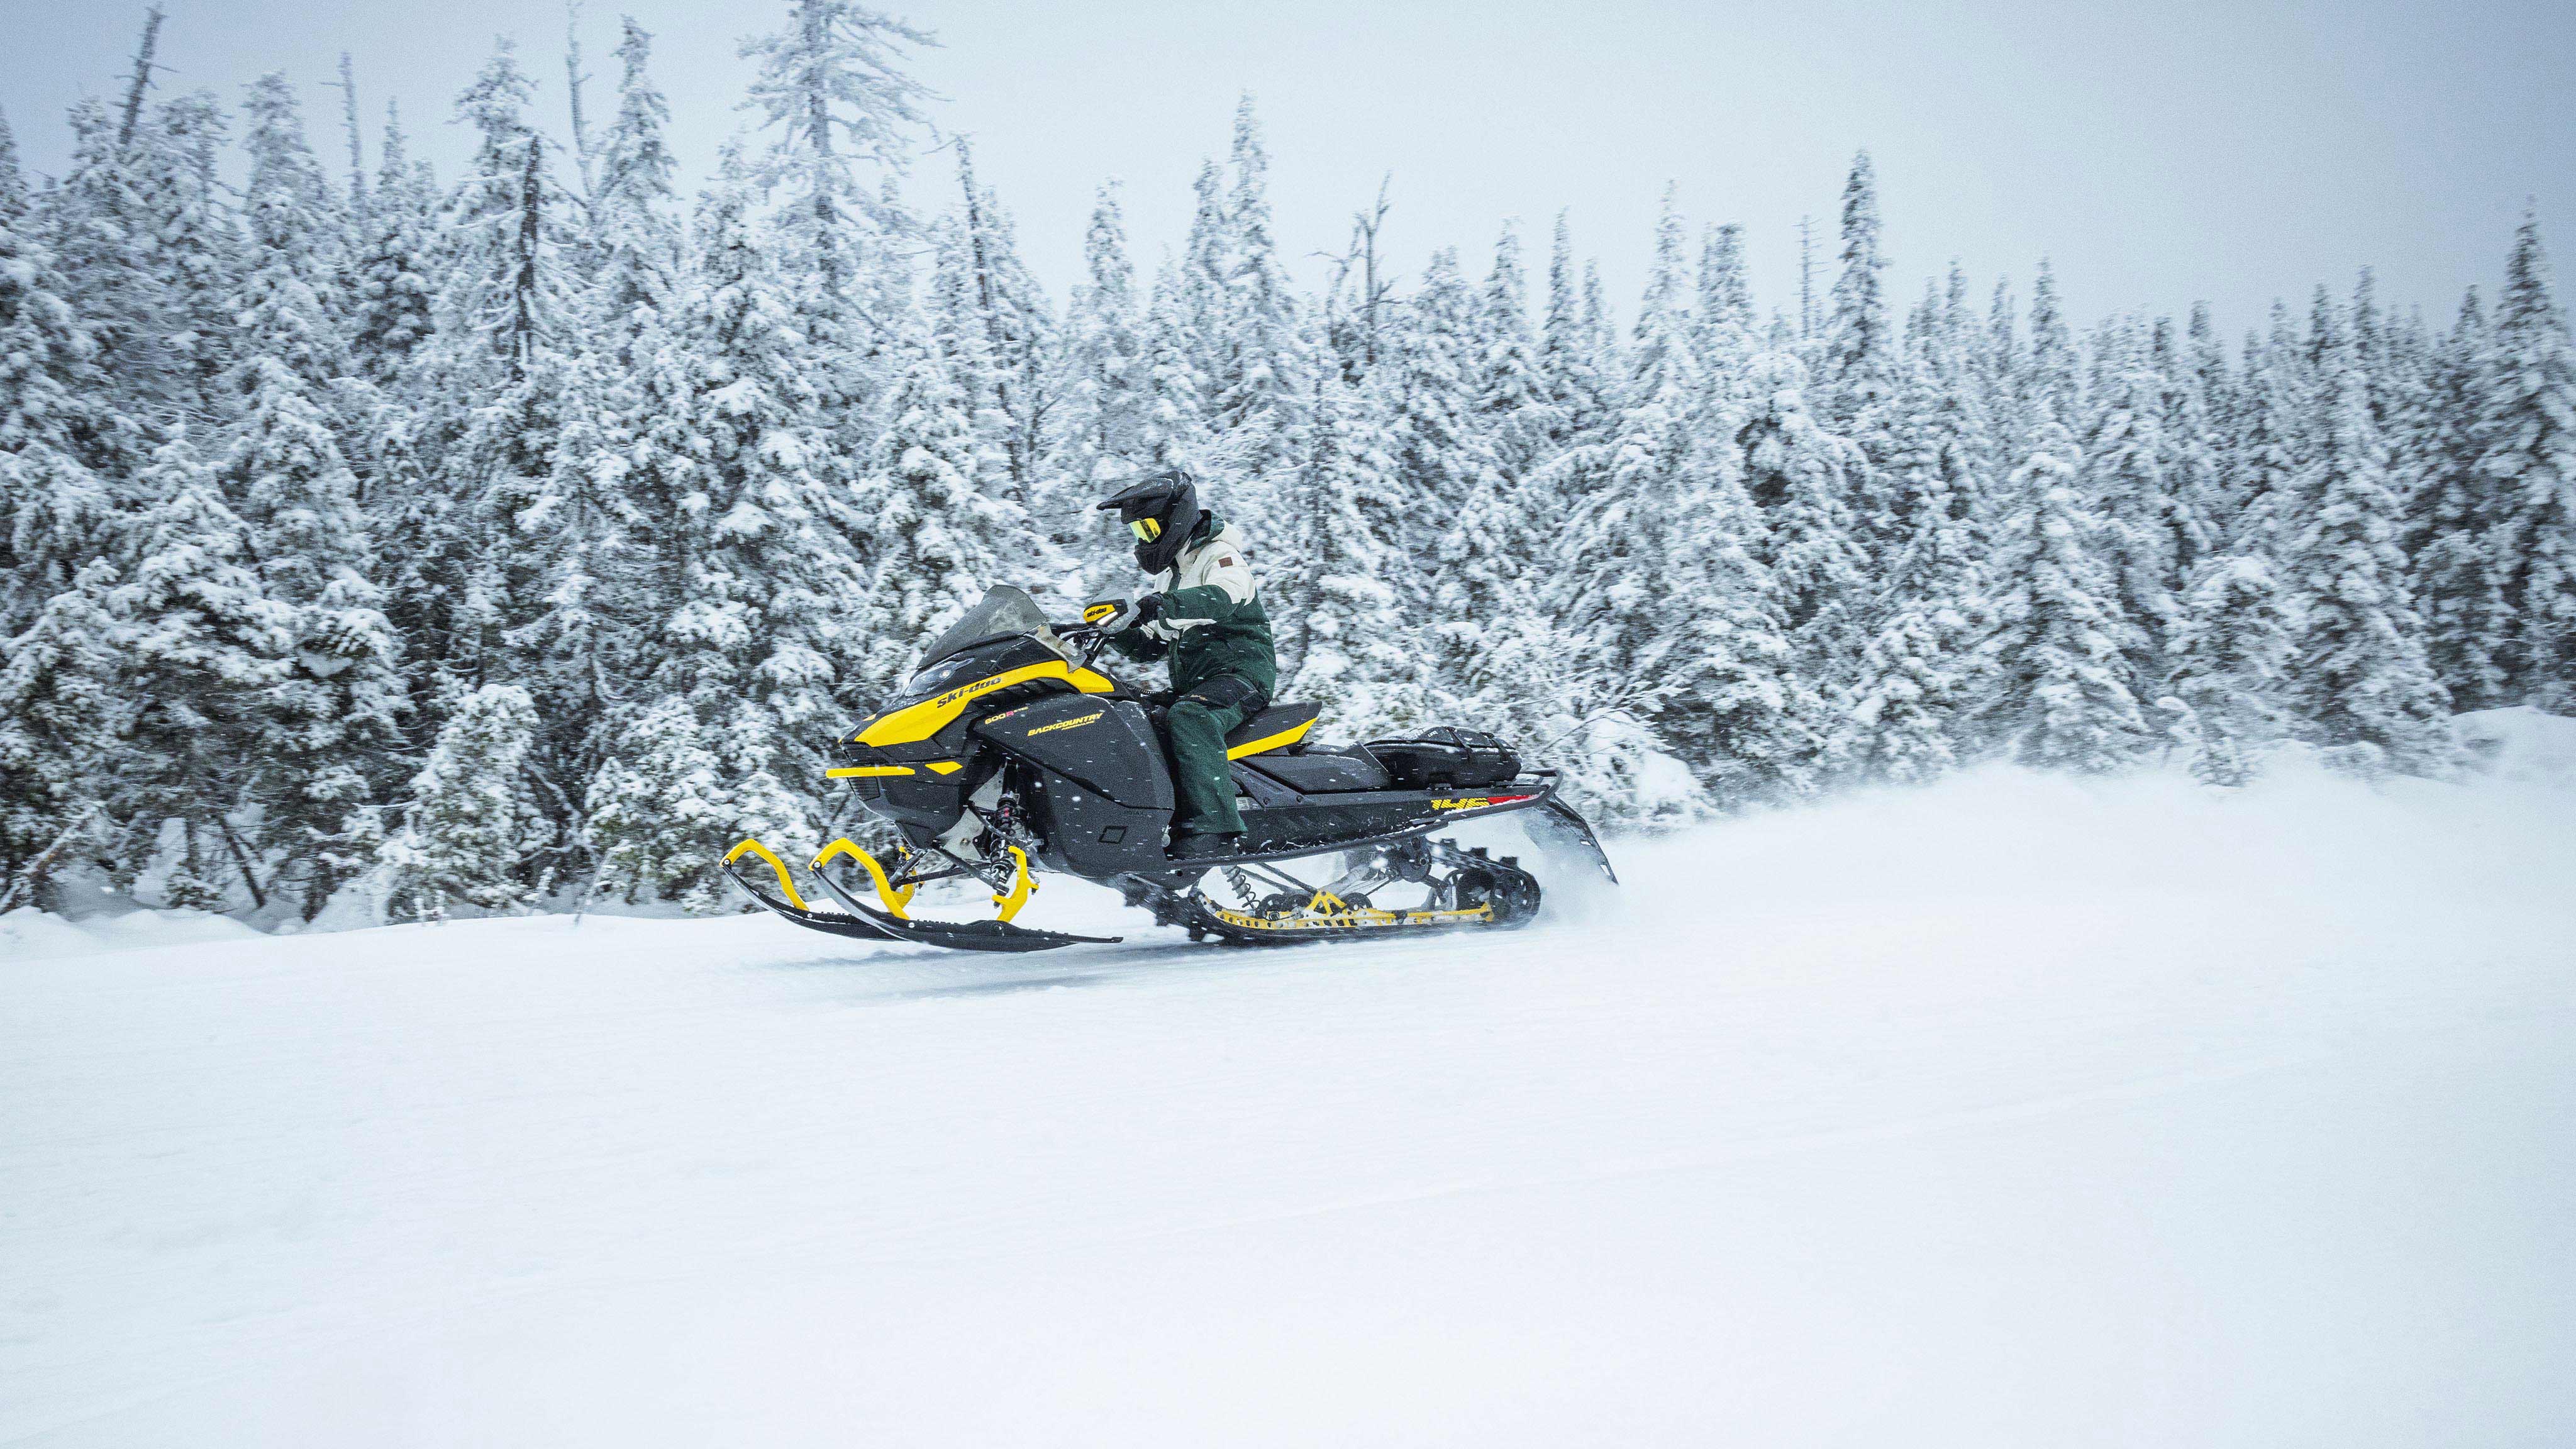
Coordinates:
1206 615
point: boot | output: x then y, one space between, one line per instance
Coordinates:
1201 844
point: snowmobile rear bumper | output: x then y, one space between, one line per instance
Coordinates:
1556 823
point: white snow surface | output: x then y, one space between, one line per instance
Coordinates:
2012 1111
28 934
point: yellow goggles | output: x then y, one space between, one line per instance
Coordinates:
1146 529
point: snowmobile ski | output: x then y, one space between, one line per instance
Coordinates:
869 923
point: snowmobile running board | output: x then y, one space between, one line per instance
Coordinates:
868 923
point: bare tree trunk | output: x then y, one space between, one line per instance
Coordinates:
141 80
348 88
574 79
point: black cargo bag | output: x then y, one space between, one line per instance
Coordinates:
1446 758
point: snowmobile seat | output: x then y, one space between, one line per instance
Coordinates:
1275 728
1323 772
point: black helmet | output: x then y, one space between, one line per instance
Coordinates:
1162 509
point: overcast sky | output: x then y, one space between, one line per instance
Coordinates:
2212 149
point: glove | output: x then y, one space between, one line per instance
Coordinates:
1111 617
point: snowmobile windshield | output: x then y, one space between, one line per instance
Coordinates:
1004 611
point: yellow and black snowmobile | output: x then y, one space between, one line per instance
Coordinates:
1009 750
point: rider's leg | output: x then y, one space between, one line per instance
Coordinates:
1202 779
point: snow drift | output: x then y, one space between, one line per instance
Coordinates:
2008 1111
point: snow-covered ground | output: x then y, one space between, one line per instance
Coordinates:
2012 1111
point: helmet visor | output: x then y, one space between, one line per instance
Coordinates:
1146 529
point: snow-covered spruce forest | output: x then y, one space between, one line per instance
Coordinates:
477 541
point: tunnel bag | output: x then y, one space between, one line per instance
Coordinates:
1446 757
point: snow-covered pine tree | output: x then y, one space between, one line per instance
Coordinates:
54 509
1427 393
1613 560
1969 407
1203 278
965 345
1101 422
1725 333
832 83
2455 581
1567 360
579 643
102 230
1258 388
1512 394
197 247
1797 475
504 276
2231 663
2328 329
1729 702
506 313
196 636
2217 386
390 288
1663 365
633 230
1002 335
62 711
2050 380
1485 578
654 804
2146 541
2272 445
752 619
2527 432
472 832
1611 594
595 591
1922 672
2193 464
2060 697
1673 617
1600 333
2362 687
1348 640
330 722
945 535
1998 358
13 179
1857 370
2396 355
288 209
1174 427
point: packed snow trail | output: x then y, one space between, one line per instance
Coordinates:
2010 1111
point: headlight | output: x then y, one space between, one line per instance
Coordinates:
936 678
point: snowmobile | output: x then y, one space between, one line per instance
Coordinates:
1011 750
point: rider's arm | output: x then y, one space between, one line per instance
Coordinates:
1138 645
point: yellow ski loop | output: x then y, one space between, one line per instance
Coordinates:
1022 884
754 847
895 900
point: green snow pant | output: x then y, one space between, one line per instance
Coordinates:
1202 778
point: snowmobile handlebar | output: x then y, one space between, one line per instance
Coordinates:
1090 639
